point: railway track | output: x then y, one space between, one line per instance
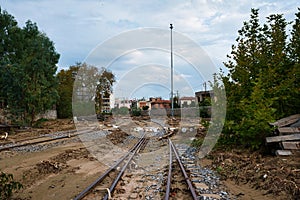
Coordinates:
152 173
173 192
122 164
42 139
172 177
146 171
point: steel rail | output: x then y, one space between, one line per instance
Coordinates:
42 141
160 124
167 195
113 186
144 145
99 179
187 179
37 137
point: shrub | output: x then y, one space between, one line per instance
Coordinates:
8 185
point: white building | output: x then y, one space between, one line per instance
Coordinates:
187 101
122 102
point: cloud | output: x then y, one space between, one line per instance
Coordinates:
79 28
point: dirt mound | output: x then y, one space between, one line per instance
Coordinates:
40 170
58 124
279 176
117 136
71 154
47 167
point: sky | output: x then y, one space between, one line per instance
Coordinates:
132 38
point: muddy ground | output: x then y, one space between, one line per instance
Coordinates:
62 171
251 175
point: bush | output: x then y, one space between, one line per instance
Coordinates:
197 142
120 111
8 185
136 112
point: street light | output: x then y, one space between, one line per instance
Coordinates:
172 102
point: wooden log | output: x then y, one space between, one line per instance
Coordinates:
283 138
286 121
288 130
291 145
283 153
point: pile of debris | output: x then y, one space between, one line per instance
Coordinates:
287 135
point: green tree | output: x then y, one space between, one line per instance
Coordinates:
28 65
262 79
38 66
65 90
245 62
8 32
278 65
145 107
293 82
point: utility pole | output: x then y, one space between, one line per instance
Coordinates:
172 102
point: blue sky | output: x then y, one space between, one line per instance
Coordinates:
78 28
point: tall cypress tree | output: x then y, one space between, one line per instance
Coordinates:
263 79
293 82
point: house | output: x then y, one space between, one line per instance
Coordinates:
122 102
158 103
187 102
142 103
201 95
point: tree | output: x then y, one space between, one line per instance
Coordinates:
65 90
262 79
278 65
39 68
104 87
8 31
145 107
90 87
293 82
28 65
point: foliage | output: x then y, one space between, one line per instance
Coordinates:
28 65
104 87
39 123
8 185
263 80
197 142
204 108
145 107
175 102
136 111
90 87
65 91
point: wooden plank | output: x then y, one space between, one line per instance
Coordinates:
283 152
288 130
286 121
283 138
291 145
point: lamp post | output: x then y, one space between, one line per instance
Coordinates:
172 102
